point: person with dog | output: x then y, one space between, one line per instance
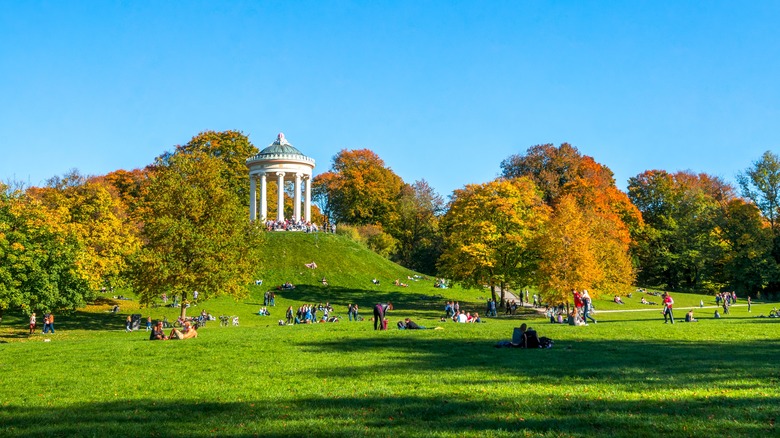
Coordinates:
379 315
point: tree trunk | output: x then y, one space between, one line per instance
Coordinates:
492 294
503 299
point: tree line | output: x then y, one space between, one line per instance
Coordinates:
553 218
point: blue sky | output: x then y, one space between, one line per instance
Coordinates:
440 90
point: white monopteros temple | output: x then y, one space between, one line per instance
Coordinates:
282 161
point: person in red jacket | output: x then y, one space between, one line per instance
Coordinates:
668 304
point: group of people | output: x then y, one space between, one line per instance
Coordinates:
269 299
48 323
286 286
451 309
307 314
188 331
292 225
464 317
726 299
352 312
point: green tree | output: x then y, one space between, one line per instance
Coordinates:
196 233
488 231
39 257
746 250
233 148
417 227
680 210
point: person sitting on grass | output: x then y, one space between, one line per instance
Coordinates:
574 319
689 317
264 312
157 332
187 332
619 300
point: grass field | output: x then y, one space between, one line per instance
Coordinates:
628 375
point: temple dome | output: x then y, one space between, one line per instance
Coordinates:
280 146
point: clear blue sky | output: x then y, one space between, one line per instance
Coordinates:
440 90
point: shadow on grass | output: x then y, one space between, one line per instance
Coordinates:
636 364
409 415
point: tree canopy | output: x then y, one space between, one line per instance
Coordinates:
196 233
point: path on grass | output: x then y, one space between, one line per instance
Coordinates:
511 296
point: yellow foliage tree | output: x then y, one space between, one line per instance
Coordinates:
487 233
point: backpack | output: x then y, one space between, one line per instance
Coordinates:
545 342
532 340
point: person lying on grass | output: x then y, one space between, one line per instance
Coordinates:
408 324
187 332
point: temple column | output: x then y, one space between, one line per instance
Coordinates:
263 198
307 200
297 198
280 205
252 198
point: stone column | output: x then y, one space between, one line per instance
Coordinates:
252 198
263 198
297 198
307 200
280 205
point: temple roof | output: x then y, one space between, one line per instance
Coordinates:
280 146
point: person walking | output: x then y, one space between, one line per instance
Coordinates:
586 307
668 304
379 315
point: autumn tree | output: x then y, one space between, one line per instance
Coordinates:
550 168
93 211
359 189
568 258
39 257
196 233
488 231
562 172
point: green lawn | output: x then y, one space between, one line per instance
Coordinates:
628 375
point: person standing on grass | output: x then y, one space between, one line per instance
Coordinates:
149 324
128 323
749 303
33 323
668 304
48 323
379 315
